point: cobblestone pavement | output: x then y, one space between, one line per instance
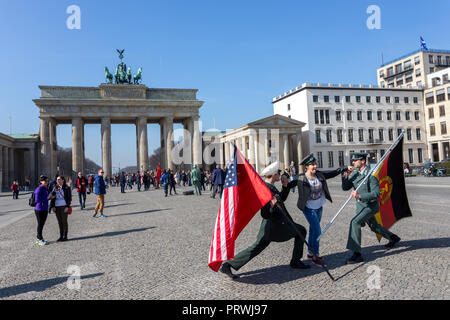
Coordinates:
151 247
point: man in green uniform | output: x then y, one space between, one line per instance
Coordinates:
366 206
195 179
274 227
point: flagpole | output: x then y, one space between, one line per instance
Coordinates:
364 180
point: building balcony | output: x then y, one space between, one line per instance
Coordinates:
442 64
394 74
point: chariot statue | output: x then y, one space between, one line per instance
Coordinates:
123 74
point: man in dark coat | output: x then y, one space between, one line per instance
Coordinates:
274 227
218 180
122 181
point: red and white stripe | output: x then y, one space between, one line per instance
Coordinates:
222 245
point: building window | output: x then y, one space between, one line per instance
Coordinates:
380 115
289 107
369 115
390 71
398 115
336 99
371 135
315 98
322 119
327 116
419 155
407 115
391 134
318 140
418 135
326 99
399 132
339 135
361 135
431 69
319 160
329 138
381 134
430 113
441 111
388 99
368 99
419 84
410 155
341 158
417 60
429 98
440 95
397 99
389 115
358 99
443 128
338 115
416 100
330 159
378 99
432 130
347 98
316 116
349 115
359 115
406 99
430 58
382 152
418 72
409 134
350 135
398 68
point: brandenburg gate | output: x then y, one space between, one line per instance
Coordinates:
116 103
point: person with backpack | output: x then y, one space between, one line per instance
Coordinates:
39 200
91 183
61 198
81 189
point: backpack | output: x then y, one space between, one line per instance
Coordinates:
32 200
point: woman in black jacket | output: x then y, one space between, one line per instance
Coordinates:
312 194
61 198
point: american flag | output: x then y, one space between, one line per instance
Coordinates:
244 194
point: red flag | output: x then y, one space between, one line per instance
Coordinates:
244 194
158 172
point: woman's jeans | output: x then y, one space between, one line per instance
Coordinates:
313 216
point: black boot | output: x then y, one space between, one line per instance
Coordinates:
61 237
393 241
65 236
355 258
299 265
226 268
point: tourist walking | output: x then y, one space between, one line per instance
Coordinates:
172 182
100 191
61 198
293 173
27 185
81 184
41 196
122 181
218 179
91 183
165 181
15 189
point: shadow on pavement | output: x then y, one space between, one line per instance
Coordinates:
111 234
139 212
39 286
284 273
108 206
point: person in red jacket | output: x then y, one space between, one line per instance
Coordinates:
15 189
81 184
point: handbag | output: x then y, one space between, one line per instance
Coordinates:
70 210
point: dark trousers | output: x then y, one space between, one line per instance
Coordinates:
16 195
139 186
122 188
219 188
172 186
166 188
243 257
61 216
82 198
41 217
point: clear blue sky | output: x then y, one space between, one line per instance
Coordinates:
239 54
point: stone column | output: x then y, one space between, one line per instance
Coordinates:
189 130
226 146
299 151
441 150
12 159
6 167
286 151
32 164
167 137
53 146
266 150
45 148
197 143
251 148
143 144
77 149
106 147
138 165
